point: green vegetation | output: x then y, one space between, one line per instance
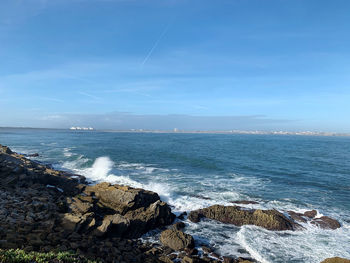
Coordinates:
20 256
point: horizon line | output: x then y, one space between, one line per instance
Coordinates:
179 131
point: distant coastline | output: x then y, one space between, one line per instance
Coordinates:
179 131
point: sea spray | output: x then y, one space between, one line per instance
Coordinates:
101 168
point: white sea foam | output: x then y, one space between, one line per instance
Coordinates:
75 165
140 168
101 167
67 152
310 245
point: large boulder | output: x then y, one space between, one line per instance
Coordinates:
121 198
176 239
269 219
336 260
326 222
116 211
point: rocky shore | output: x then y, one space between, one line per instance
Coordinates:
44 210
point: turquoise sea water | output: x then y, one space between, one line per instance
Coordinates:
191 171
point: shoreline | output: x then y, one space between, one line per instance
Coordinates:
87 218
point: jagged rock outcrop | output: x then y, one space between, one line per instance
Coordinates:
118 211
18 171
336 260
42 209
324 222
176 239
269 219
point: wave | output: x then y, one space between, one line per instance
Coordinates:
74 165
67 152
310 245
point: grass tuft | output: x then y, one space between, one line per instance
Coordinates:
20 256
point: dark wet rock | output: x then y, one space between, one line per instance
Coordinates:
191 259
191 251
228 260
179 225
33 155
326 222
182 215
269 219
201 197
77 206
297 216
336 260
165 259
176 239
5 149
244 202
147 218
206 249
310 214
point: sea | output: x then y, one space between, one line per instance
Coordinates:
192 171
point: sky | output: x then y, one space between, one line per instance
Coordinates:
189 64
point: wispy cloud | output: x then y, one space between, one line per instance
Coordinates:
95 98
51 99
155 45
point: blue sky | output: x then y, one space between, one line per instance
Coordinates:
200 64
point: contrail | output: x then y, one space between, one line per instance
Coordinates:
155 45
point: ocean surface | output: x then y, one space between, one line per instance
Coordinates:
191 171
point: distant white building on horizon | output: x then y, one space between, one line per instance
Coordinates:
82 128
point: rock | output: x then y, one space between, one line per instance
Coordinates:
79 207
195 216
117 224
336 260
269 219
182 215
310 214
191 251
144 219
202 197
297 216
33 155
5 149
116 211
187 259
165 259
122 198
326 222
176 239
70 222
206 249
179 225
228 260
